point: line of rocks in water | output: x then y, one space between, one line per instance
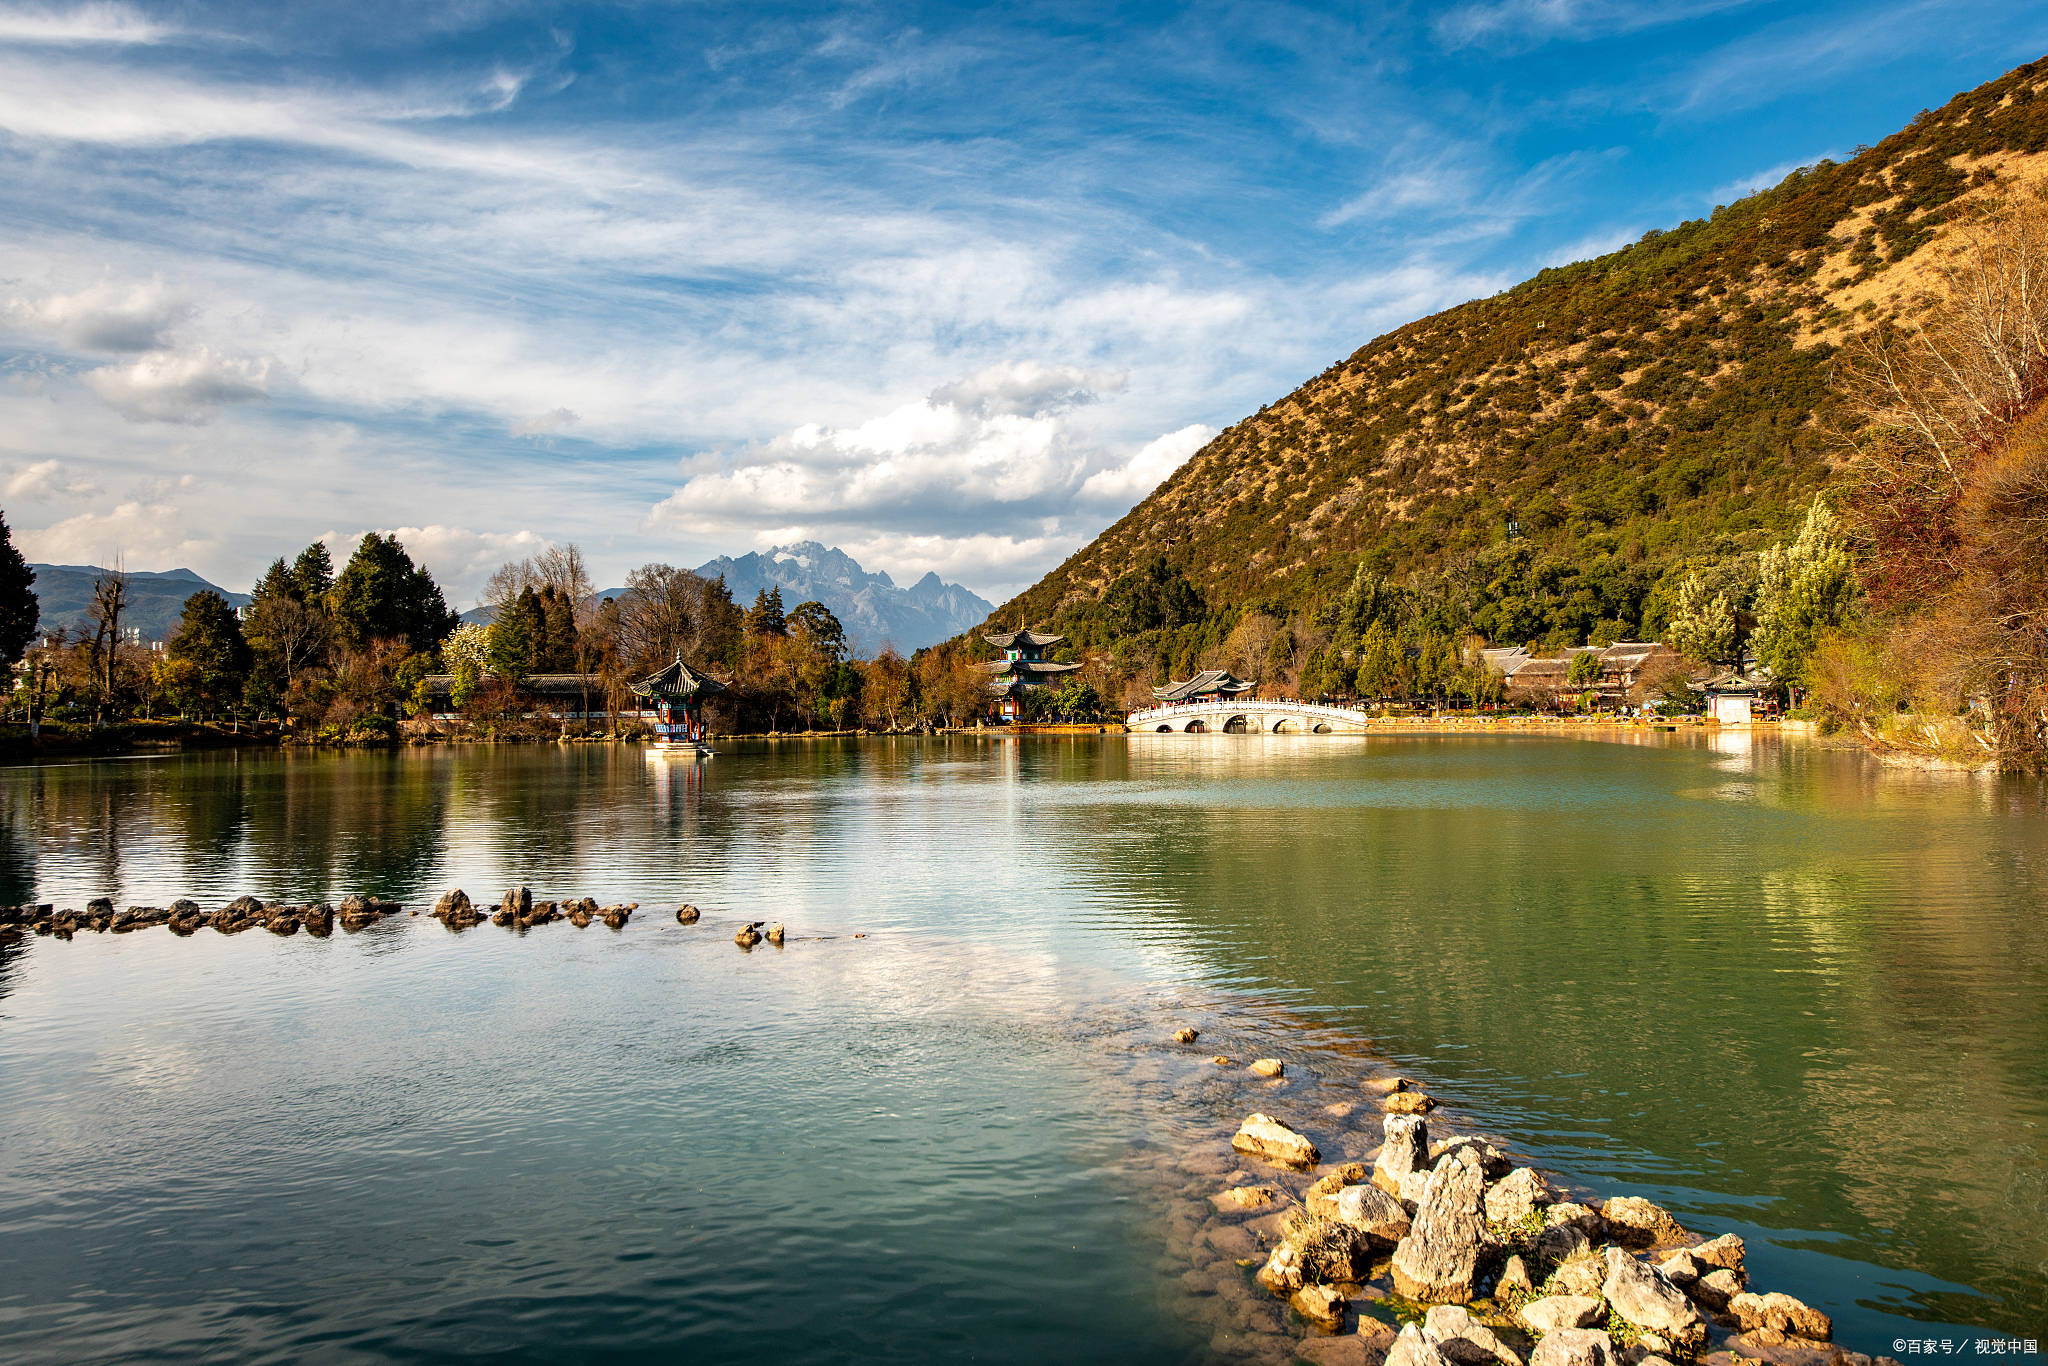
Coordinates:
1487 1263
185 917
517 909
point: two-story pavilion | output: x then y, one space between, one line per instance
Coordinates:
1023 665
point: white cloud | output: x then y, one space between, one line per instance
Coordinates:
1148 469
1026 387
78 24
46 479
459 559
103 316
1528 22
136 533
179 386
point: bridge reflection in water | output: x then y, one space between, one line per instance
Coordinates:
1249 716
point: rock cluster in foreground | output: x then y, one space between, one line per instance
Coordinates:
1506 1269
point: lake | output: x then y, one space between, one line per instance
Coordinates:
1783 990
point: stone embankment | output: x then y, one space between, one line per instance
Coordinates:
517 909
1452 1253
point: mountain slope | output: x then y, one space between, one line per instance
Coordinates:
874 611
155 599
1552 456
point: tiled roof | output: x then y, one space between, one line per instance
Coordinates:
1209 681
678 680
1009 638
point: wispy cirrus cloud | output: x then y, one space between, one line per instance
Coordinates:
79 25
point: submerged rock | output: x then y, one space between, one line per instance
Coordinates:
1221 1061
1186 1035
1408 1103
1267 1139
319 918
687 914
1320 1305
749 935
776 934
1282 1273
1438 1262
1405 1149
1645 1297
1268 1067
1245 1197
518 901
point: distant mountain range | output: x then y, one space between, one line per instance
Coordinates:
156 599
874 611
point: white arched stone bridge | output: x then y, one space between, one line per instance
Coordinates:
1249 716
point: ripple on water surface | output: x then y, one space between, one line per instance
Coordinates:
1789 993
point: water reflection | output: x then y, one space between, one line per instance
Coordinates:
1784 988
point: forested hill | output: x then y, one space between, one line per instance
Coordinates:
1550 458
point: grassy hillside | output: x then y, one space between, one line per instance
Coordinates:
1546 462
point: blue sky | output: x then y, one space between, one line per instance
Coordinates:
951 287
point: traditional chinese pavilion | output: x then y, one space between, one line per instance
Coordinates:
1022 666
678 694
1209 685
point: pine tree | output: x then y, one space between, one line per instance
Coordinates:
19 611
312 574
383 595
209 654
765 618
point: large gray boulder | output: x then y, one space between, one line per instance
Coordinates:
1438 1261
1645 1297
1782 1313
1405 1150
1414 1348
1635 1222
1376 1215
1516 1196
1267 1139
1562 1311
1725 1252
1574 1347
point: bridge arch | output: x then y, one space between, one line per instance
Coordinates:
1286 726
1322 728
1237 725
1195 727
1166 730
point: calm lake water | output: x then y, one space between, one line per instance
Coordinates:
1782 990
